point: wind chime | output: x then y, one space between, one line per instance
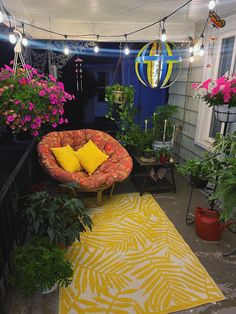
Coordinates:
79 74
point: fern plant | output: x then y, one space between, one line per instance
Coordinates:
60 216
39 265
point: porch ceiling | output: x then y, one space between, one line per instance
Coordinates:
108 17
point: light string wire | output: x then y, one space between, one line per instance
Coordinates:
92 34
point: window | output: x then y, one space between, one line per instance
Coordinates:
102 80
224 60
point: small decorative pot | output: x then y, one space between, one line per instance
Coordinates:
147 154
225 114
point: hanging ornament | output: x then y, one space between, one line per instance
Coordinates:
155 62
79 74
216 20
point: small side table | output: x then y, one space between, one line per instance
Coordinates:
143 181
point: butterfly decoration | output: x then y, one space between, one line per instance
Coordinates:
216 20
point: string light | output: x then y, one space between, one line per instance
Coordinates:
191 47
96 47
126 50
24 38
1 16
212 4
191 59
202 48
163 33
12 37
66 48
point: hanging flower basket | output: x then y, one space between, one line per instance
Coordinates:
225 114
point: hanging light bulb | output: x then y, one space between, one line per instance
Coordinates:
191 48
66 48
126 50
212 4
12 37
96 47
1 16
201 51
163 33
191 59
24 38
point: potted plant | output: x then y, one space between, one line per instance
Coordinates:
121 108
164 155
220 94
226 188
29 100
60 216
199 171
148 152
40 265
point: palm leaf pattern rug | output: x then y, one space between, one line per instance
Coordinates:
134 261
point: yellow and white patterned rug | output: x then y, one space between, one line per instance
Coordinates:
134 261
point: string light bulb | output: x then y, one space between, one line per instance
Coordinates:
66 48
1 16
12 37
212 4
24 38
191 59
96 47
202 50
126 50
191 47
163 33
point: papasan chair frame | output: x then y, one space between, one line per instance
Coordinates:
115 169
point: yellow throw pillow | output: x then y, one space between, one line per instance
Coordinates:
90 157
66 158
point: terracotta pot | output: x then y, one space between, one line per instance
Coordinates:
225 114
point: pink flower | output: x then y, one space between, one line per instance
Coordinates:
226 98
22 81
28 118
31 106
54 125
52 78
27 66
42 93
17 102
61 111
35 133
33 126
215 90
66 121
61 121
10 118
38 120
54 111
206 83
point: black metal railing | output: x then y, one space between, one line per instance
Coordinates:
12 228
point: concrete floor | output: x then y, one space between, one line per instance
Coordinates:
222 270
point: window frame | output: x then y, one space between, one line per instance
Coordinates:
202 137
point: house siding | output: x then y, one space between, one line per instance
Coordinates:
181 94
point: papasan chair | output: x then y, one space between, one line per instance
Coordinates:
115 169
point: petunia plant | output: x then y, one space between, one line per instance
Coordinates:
221 91
29 100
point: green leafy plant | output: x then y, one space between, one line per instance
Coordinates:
60 216
196 168
135 139
226 188
121 109
39 265
161 114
